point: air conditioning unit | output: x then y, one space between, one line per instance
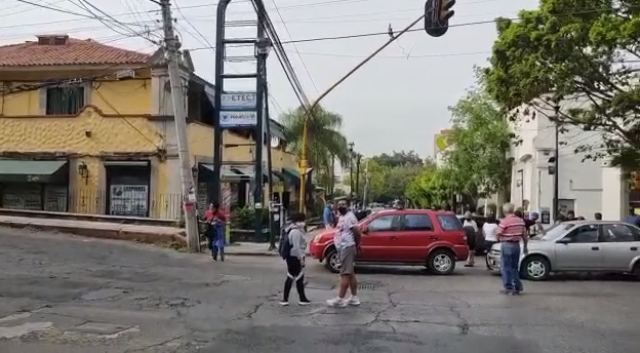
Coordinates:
122 74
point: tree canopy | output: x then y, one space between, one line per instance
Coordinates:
573 61
324 140
481 140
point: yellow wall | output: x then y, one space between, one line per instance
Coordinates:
201 144
126 97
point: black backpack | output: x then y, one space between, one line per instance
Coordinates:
284 248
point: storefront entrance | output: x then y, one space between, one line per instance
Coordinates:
34 185
128 185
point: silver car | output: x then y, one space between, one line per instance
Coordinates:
575 246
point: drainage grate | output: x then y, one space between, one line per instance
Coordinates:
366 286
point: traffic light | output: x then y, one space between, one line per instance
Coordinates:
436 16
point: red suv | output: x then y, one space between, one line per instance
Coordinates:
434 239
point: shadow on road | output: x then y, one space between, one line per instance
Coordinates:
401 271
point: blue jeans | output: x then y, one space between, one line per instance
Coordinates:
509 261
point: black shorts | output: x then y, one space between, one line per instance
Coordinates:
471 238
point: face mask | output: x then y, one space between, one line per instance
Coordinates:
342 210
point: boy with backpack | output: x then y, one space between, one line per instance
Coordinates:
293 246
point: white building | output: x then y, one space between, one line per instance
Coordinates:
585 186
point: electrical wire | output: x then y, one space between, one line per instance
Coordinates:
284 24
128 14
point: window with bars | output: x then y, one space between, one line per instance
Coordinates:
65 100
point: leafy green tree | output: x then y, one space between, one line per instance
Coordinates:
481 140
399 159
324 140
432 188
573 61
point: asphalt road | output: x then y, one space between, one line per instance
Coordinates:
61 294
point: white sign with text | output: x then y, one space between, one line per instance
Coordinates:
230 119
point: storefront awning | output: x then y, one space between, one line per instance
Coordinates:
25 171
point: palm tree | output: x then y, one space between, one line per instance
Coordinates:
324 140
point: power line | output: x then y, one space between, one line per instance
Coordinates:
293 7
286 29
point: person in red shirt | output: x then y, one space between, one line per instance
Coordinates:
215 232
511 232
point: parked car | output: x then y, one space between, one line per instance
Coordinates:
434 239
579 246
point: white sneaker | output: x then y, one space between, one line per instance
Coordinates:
303 303
283 303
353 300
339 302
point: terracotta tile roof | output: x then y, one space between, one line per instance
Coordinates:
74 52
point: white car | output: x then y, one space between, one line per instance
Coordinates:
579 246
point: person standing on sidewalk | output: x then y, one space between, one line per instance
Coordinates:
511 232
293 249
216 231
328 216
347 242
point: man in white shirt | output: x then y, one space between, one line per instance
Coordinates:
347 242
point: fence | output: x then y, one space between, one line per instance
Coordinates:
131 201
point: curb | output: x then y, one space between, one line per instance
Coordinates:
257 254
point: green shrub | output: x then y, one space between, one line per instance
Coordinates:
244 218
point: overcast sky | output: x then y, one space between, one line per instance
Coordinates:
397 101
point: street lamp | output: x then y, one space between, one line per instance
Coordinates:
263 47
351 156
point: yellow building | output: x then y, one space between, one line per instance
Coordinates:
88 128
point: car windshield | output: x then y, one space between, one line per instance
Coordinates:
556 230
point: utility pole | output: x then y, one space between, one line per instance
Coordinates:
261 51
180 119
556 180
366 184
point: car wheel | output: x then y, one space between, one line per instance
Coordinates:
441 262
636 270
332 261
535 268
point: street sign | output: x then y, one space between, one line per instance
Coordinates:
234 119
238 101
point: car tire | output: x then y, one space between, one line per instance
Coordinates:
636 270
441 262
331 261
535 268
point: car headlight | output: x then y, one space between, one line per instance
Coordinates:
317 238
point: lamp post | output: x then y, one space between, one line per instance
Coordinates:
351 145
358 159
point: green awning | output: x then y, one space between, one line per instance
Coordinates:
292 176
20 171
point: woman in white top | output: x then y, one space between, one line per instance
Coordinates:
489 230
472 230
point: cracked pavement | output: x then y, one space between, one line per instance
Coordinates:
64 294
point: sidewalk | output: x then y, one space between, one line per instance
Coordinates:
105 230
262 249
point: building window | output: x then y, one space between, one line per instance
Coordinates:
65 100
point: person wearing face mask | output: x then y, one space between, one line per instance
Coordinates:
347 242
292 250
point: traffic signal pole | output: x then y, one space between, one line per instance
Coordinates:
436 20
309 111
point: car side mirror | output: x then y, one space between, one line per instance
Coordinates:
564 241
